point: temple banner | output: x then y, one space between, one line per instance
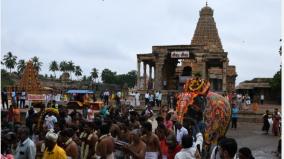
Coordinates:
35 97
180 54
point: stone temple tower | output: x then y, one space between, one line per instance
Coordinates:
174 64
206 32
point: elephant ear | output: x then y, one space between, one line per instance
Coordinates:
182 105
217 117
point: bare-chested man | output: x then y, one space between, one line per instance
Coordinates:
70 146
105 145
89 139
137 148
152 142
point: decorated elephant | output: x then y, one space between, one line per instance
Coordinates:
210 110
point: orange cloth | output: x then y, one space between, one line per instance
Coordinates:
17 115
164 147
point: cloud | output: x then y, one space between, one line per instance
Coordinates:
109 33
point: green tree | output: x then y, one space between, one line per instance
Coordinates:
95 73
108 76
84 78
131 78
70 67
6 79
275 84
10 61
53 67
21 65
78 71
36 63
128 79
63 66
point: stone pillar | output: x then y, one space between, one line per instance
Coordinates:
158 76
144 76
204 68
150 72
150 82
154 78
138 73
224 83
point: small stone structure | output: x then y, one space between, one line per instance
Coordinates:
257 86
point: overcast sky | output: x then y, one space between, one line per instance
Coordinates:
109 33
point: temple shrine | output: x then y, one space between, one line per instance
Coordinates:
168 67
29 80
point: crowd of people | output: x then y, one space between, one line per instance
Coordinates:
273 119
18 98
112 133
116 131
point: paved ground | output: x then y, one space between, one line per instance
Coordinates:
250 135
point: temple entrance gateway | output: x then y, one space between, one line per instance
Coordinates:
172 65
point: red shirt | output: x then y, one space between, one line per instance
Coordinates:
164 147
173 154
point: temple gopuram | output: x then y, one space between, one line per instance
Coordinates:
29 80
168 67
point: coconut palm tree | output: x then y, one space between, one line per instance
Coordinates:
21 65
36 63
70 67
94 73
63 66
10 61
53 67
78 71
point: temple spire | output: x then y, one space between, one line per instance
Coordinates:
206 32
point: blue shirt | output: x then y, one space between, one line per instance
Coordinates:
26 149
235 112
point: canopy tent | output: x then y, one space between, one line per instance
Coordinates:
80 91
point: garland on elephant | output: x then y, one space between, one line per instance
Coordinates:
211 111
40 121
194 92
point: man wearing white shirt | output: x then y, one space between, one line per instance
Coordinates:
137 102
14 96
118 98
191 149
159 99
261 99
181 131
26 147
147 96
49 121
23 99
156 98
106 97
